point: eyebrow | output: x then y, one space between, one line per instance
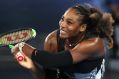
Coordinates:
69 19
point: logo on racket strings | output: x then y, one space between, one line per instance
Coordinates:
17 36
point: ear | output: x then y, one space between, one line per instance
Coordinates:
83 27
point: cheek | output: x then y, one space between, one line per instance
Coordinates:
73 31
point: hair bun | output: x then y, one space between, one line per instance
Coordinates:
95 16
108 17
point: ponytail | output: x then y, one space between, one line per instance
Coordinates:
106 27
97 21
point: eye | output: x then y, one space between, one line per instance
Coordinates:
69 22
62 19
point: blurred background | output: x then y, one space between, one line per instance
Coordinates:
44 15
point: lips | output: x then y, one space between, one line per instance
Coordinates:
63 32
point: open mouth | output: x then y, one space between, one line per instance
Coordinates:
63 32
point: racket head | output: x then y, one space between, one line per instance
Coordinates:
16 36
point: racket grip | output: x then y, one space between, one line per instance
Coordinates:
20 56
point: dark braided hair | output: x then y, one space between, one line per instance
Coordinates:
96 21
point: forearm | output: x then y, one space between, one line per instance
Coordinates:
49 60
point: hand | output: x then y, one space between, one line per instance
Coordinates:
26 62
24 48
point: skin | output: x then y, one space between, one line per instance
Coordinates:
71 28
69 25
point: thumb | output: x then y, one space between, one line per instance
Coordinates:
15 49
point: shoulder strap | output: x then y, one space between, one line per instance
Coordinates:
60 42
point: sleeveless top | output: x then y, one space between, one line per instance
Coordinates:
83 67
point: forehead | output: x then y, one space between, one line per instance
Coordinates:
72 14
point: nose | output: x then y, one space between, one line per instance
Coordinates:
62 24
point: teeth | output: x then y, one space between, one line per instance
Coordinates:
63 31
22 39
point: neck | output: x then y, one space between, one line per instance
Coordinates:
73 41
76 38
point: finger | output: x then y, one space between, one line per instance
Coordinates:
15 49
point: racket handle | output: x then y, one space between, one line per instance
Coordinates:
20 56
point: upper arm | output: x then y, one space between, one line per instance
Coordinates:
50 43
86 48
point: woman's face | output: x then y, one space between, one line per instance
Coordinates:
70 24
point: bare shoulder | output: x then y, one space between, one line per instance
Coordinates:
50 43
91 45
93 41
86 48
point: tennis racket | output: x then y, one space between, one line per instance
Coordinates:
17 36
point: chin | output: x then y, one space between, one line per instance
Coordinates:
63 36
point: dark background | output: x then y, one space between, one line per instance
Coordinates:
42 15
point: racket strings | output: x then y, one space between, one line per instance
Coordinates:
16 37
